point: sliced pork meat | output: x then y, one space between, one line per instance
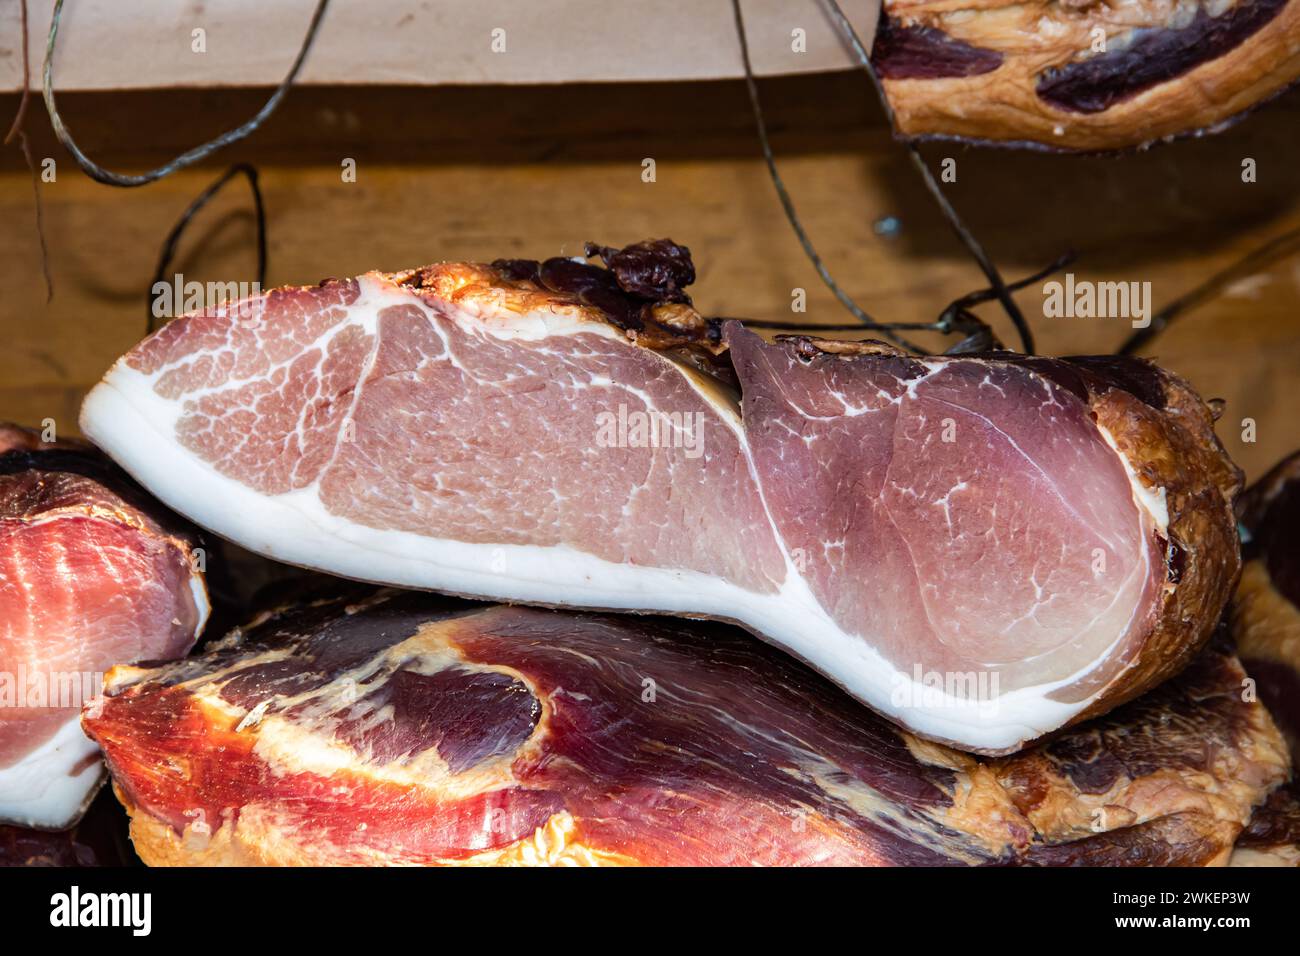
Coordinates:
91 574
983 549
1266 627
401 728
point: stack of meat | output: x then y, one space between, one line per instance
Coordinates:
985 592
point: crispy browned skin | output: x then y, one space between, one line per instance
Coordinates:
1027 73
1166 432
1102 783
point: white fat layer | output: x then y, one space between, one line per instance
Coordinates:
42 790
130 421
1154 503
200 592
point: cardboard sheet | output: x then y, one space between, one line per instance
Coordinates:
133 44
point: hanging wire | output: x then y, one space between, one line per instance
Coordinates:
1276 248
986 295
952 318
787 326
198 153
110 178
173 238
947 319
864 319
15 128
1000 290
16 131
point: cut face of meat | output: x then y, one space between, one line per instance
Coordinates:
982 491
89 578
409 729
983 549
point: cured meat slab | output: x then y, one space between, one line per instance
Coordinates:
982 548
92 574
401 728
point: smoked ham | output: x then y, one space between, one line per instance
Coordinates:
403 728
1082 74
982 548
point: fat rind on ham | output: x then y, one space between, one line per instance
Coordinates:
401 728
92 574
983 549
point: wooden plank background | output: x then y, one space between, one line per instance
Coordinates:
483 172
